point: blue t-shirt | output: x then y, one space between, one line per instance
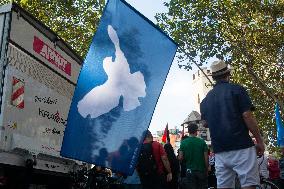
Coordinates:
222 109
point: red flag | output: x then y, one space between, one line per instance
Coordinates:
166 134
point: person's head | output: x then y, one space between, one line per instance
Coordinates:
103 153
192 129
149 136
220 70
132 142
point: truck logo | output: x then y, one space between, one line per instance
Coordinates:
18 89
51 55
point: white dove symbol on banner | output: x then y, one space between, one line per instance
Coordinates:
120 82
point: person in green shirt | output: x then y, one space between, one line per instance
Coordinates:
195 153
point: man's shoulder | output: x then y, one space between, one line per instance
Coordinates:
204 101
156 145
186 139
230 88
193 140
201 140
235 86
185 142
208 96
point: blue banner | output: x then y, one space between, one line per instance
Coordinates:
280 127
117 90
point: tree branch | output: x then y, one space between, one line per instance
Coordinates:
265 88
199 69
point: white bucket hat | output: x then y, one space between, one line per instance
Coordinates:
219 67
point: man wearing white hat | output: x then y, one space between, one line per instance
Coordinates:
227 110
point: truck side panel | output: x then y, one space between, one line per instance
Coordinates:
39 83
37 44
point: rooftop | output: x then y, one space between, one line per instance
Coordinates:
194 116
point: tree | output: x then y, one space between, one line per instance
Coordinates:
247 34
74 21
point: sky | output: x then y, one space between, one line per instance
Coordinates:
175 102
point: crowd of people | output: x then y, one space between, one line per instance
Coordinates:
227 111
236 154
196 168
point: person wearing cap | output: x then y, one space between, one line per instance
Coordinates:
194 151
227 111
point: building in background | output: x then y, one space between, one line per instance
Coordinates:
201 87
195 117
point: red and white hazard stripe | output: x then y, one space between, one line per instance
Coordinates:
18 93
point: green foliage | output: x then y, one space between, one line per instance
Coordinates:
74 21
247 34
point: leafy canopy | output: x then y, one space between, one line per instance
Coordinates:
74 21
247 34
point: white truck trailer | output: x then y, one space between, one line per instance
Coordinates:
38 75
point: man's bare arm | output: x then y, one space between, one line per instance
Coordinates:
251 123
167 166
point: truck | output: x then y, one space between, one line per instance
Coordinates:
38 75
